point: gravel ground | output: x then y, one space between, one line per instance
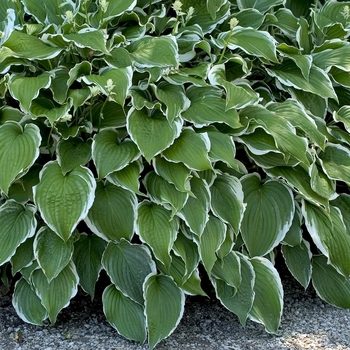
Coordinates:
307 323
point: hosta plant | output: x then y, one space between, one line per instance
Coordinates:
162 143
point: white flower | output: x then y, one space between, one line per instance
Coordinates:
66 118
190 13
177 7
104 5
233 22
109 85
95 90
69 16
346 12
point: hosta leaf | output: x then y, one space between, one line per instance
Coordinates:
155 227
289 74
222 148
19 148
145 52
113 212
27 304
187 250
72 153
195 212
294 235
253 42
173 96
329 234
56 295
175 173
145 130
109 154
268 302
299 180
268 215
238 300
261 5
335 160
63 201
24 256
50 12
321 183
333 57
88 250
115 83
210 241
298 261
293 112
329 284
128 177
162 192
191 149
124 314
51 252
286 21
85 38
25 89
128 265
227 200
208 107
30 47
228 270
17 223
236 96
283 132
343 115
164 306
342 202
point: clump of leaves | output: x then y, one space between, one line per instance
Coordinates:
149 138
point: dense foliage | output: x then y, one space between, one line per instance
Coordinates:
161 142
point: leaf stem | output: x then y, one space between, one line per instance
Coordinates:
225 46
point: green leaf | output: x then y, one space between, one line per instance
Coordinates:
298 261
191 149
88 250
329 284
238 95
124 314
335 160
292 111
145 52
144 130
24 255
175 173
19 148
114 83
261 5
227 200
25 89
329 234
55 295
30 47
228 270
17 223
289 74
164 306
343 116
158 229
268 302
283 132
109 154
51 252
128 177
342 202
238 300
333 57
113 212
128 265
73 152
210 241
253 42
268 214
195 212
27 304
208 107
162 192
294 235
298 179
64 200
